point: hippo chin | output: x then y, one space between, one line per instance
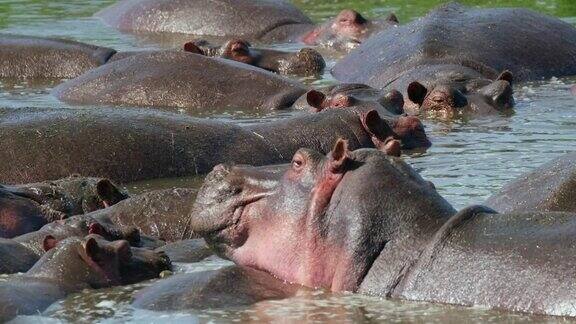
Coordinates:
366 222
264 21
447 49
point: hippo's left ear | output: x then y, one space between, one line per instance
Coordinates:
396 99
49 243
92 249
417 92
109 193
339 156
193 48
316 99
381 132
506 76
392 18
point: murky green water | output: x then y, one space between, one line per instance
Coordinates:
469 161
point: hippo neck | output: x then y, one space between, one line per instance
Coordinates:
287 32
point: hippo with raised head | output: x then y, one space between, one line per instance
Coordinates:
456 52
367 222
133 144
265 21
551 187
70 266
180 81
29 57
27 207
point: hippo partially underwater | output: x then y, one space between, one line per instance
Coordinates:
365 222
463 59
264 21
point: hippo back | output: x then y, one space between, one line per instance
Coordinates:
551 187
246 18
34 57
531 45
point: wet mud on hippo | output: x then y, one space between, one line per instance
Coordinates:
368 222
462 49
127 145
551 187
28 57
263 21
179 81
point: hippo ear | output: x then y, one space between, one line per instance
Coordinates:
506 76
96 228
417 92
316 99
49 243
92 249
392 147
193 48
109 193
392 18
376 126
396 99
339 156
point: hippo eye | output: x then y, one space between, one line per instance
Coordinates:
298 162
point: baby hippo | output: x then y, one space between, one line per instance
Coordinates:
26 208
70 266
305 62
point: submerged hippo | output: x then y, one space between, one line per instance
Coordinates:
27 207
127 145
266 21
460 50
28 57
70 266
180 81
551 187
369 223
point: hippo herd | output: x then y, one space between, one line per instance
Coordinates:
317 200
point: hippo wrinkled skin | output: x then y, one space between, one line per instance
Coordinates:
127 145
70 266
367 222
28 57
264 21
551 187
446 53
180 81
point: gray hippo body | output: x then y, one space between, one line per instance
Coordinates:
363 221
16 257
551 187
180 81
28 57
127 145
187 251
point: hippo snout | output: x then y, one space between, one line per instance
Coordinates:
307 61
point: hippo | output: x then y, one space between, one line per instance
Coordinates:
28 57
231 286
70 266
16 257
187 251
367 222
127 145
551 187
448 49
263 21
27 207
180 81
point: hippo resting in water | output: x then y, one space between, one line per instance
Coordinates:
127 145
551 187
449 57
265 21
72 265
180 81
31 57
27 207
363 221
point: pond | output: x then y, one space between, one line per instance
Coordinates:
468 161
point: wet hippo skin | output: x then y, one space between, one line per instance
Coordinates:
551 187
127 145
368 223
180 81
28 57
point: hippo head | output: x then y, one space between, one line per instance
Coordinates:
321 220
453 98
304 62
93 193
83 262
347 30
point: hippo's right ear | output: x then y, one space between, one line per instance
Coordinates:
339 155
193 48
92 249
417 92
49 243
316 99
392 18
506 76
109 192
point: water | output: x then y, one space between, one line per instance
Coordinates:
469 161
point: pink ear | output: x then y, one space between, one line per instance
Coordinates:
339 156
316 99
49 243
96 228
